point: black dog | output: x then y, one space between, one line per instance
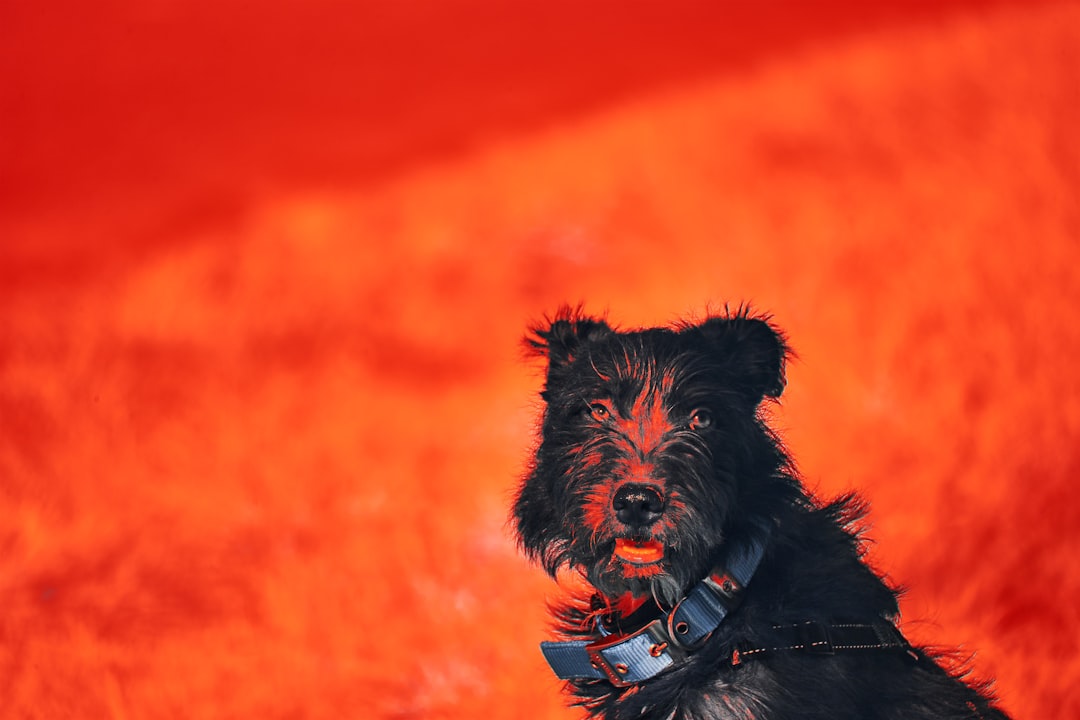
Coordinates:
723 590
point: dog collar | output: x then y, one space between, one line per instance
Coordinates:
625 660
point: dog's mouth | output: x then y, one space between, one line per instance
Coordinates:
635 552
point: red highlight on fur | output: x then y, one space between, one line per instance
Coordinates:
597 509
648 422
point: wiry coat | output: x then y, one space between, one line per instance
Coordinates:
673 414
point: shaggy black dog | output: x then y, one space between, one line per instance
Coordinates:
722 589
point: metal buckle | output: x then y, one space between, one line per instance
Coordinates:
600 663
815 639
615 673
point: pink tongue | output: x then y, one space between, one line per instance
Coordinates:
638 553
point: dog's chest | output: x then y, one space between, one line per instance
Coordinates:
722 702
719 700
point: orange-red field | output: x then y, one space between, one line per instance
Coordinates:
264 271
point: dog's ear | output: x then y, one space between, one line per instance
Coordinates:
754 351
566 332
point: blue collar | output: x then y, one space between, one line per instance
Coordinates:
625 660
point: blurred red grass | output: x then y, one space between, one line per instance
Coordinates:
258 435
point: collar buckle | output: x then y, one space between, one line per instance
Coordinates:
628 659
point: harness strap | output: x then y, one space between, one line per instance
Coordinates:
819 638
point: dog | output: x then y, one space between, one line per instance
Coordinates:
717 586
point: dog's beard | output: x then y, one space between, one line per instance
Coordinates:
665 582
665 590
611 580
663 587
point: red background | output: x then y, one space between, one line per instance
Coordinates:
264 270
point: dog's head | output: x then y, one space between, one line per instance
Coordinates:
651 447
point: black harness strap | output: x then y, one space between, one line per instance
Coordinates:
819 638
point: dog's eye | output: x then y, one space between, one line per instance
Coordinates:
599 412
700 419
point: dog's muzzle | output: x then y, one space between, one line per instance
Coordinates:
637 505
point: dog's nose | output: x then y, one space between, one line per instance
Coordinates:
637 505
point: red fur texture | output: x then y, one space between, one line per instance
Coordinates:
264 274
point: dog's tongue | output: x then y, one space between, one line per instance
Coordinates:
638 553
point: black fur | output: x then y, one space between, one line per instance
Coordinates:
677 410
